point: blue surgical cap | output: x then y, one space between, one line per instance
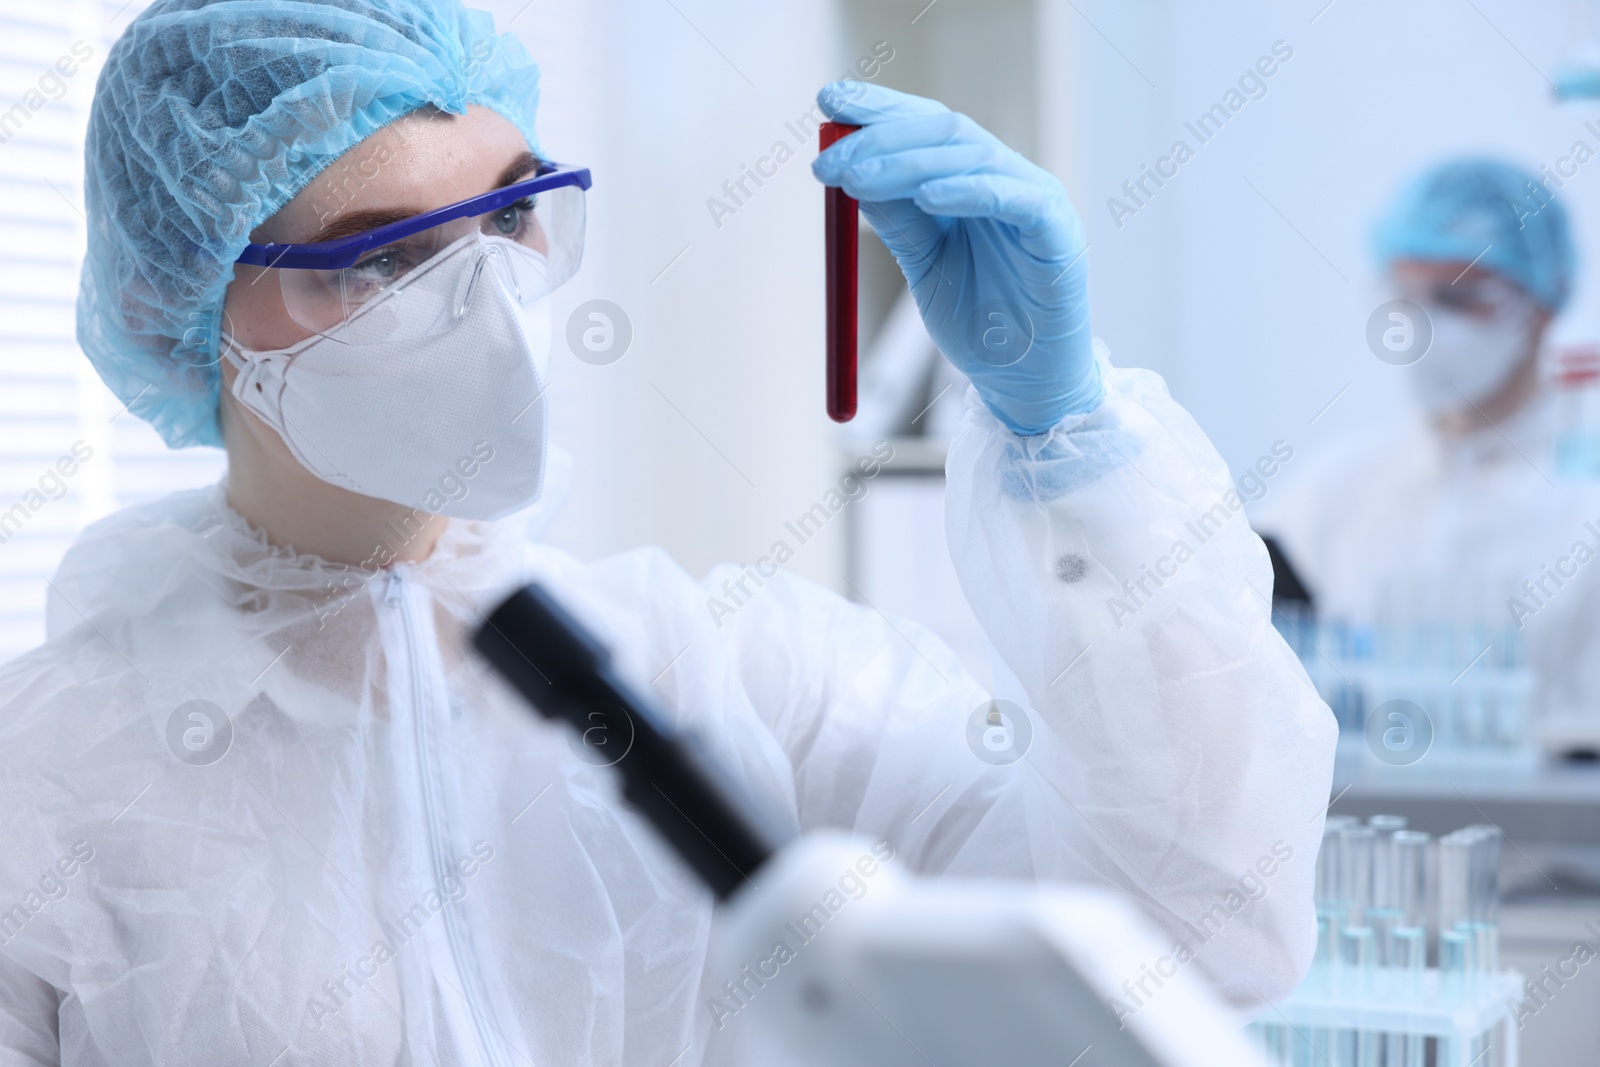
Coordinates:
1467 208
208 117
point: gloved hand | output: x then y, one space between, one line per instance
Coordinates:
990 245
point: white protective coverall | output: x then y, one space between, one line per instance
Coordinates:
1406 522
396 862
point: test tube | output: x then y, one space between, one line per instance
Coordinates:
1409 958
1455 959
1382 922
1387 824
1330 922
1483 897
1410 859
1326 942
842 239
1317 1047
1384 885
1356 953
1357 958
1330 858
1356 844
1485 872
1384 914
1455 963
1454 857
1411 949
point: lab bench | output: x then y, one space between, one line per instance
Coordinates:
1545 802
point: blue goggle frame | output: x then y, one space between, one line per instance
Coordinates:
347 251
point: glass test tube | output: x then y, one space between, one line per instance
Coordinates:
1327 937
842 236
1485 873
1330 858
1455 959
1410 859
1355 950
1357 958
1455 966
1483 897
1454 855
1327 866
1317 1047
1384 886
1356 847
1410 960
1384 914
1388 824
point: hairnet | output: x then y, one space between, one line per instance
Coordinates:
208 117
1467 208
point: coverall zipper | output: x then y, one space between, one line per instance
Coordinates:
465 960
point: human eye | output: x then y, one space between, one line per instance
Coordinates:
1455 299
379 269
511 221
380 266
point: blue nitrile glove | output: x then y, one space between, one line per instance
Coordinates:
988 242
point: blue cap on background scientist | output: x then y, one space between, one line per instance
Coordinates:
321 234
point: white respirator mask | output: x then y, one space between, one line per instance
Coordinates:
451 423
1471 357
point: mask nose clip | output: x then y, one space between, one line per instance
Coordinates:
472 284
490 254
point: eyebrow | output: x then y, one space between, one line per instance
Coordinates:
520 168
360 221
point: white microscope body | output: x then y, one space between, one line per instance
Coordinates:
950 972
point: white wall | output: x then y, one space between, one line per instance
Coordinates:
52 404
711 431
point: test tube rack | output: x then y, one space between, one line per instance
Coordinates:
1387 899
1343 1019
1475 716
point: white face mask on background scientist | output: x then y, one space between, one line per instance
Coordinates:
1482 362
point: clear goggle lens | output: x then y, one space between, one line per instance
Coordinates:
422 285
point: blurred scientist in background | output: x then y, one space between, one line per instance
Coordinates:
1457 514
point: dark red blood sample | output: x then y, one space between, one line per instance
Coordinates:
843 244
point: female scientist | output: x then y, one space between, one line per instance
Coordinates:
264 806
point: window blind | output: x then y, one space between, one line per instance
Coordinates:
69 452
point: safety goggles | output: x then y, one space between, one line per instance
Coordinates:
416 278
1481 296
